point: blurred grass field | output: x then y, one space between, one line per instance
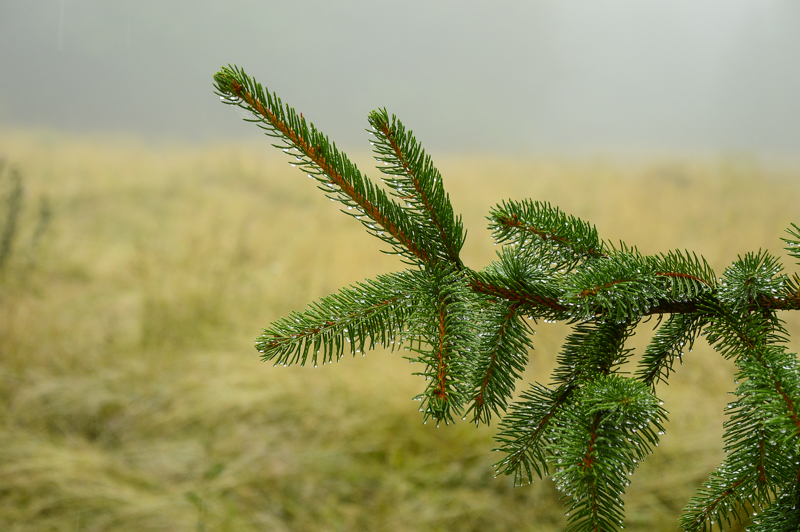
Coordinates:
133 399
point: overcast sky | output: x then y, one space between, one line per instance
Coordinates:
527 76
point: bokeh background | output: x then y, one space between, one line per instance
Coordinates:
157 233
515 76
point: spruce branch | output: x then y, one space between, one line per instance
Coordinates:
503 355
751 279
754 341
607 430
762 434
759 464
626 285
689 276
671 341
354 320
525 432
443 337
723 496
480 284
563 238
338 177
756 437
591 426
415 181
592 349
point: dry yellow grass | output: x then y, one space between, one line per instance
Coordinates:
133 399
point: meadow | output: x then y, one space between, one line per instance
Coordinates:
132 396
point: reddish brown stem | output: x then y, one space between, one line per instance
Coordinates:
509 295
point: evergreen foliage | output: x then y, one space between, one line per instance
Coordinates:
591 426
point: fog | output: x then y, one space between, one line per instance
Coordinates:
519 77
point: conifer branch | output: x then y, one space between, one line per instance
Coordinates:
527 443
592 349
525 432
750 338
673 338
355 319
337 175
503 357
679 275
626 285
418 183
762 435
608 429
444 338
750 279
591 426
718 498
566 238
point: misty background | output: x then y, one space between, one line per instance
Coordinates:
523 77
